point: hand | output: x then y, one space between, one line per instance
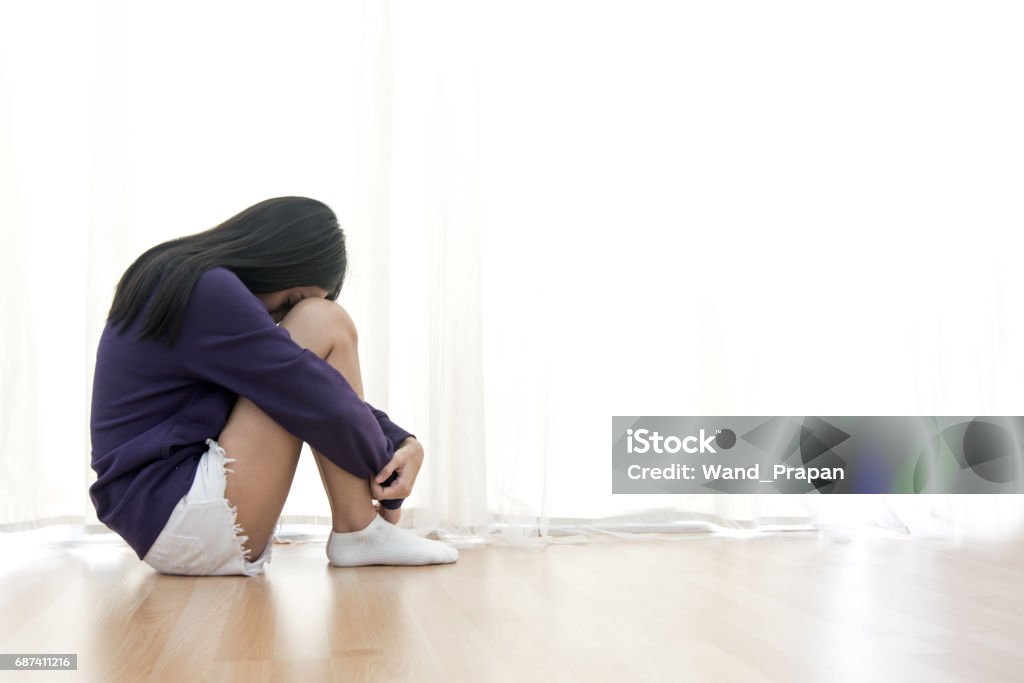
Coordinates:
407 460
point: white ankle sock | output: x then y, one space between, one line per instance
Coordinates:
381 542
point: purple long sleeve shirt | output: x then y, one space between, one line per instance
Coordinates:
153 408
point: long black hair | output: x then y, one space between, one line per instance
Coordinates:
274 245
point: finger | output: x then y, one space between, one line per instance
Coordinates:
399 489
386 472
386 493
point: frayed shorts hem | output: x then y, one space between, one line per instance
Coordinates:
202 536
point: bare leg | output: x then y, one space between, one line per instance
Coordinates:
344 490
266 454
349 495
265 459
360 537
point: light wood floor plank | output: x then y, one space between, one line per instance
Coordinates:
788 607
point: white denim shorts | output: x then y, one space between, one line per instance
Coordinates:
201 537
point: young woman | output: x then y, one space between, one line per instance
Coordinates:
228 347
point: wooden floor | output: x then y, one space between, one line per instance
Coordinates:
789 607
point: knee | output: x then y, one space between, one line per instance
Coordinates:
317 318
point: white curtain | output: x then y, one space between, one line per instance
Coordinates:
556 212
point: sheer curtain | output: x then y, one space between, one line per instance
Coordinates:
556 213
